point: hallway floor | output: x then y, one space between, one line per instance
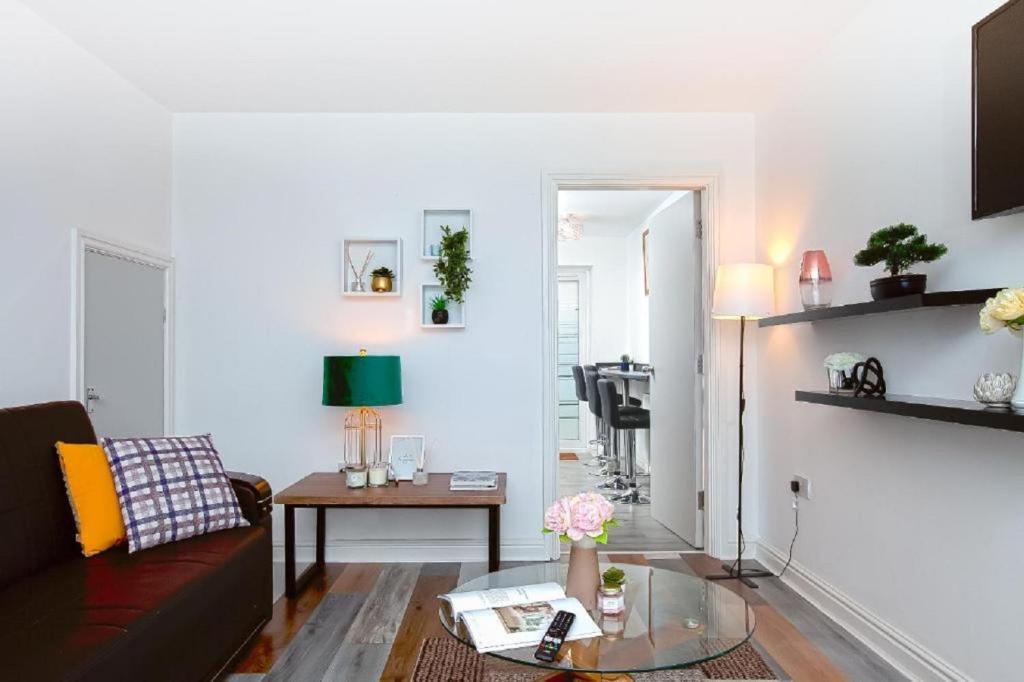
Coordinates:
639 532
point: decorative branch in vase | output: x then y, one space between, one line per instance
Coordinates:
358 284
1006 310
584 521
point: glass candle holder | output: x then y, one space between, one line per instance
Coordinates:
378 476
815 280
611 599
355 476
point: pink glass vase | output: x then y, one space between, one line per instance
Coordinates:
584 577
815 280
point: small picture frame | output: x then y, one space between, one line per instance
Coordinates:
406 456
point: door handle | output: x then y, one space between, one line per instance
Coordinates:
91 396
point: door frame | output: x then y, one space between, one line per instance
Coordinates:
714 520
83 243
581 273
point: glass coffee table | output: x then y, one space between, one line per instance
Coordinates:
672 620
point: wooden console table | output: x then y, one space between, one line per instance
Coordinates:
321 491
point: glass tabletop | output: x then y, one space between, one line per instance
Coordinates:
671 620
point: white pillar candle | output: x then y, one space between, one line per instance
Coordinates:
379 475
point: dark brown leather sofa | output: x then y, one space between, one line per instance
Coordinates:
176 612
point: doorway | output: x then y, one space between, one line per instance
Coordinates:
123 365
641 251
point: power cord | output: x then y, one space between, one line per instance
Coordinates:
796 532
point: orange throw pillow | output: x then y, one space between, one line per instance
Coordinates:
90 487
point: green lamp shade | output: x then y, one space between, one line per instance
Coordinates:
362 380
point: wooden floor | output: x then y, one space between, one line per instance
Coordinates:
638 532
367 622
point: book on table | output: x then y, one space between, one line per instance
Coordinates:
513 617
474 480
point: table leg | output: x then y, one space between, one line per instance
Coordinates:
493 538
294 584
289 551
625 391
321 533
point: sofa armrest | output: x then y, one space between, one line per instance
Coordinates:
254 496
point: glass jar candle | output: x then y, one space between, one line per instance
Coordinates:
611 599
378 475
355 477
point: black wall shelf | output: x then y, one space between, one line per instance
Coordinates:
927 300
936 409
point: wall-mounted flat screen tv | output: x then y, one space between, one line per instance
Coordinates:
998 100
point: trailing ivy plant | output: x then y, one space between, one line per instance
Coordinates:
452 267
899 247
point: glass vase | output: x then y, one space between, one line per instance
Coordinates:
815 280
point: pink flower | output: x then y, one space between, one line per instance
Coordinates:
588 517
558 517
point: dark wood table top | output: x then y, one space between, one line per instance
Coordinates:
328 488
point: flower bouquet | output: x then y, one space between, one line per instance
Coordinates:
583 520
1006 309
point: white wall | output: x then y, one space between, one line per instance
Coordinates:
606 256
918 522
81 149
261 205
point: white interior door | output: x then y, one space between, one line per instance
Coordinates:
123 344
573 432
674 276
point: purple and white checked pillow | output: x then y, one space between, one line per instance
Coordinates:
171 489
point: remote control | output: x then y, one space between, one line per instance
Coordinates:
553 638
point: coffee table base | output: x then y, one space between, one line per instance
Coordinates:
587 677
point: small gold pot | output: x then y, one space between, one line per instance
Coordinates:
381 284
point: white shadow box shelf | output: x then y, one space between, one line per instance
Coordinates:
456 311
387 253
433 219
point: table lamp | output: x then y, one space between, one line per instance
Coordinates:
364 382
743 291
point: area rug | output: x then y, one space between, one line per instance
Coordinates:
445 659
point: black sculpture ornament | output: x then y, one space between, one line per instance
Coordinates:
868 379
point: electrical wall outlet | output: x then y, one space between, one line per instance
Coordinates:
805 486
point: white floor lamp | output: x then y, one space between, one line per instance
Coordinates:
743 291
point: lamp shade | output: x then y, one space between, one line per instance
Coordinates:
362 380
743 290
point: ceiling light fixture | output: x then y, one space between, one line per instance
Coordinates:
570 228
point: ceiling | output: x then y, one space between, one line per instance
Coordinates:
610 213
452 55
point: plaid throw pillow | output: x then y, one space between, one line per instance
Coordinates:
171 489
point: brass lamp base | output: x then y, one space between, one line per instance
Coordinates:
362 437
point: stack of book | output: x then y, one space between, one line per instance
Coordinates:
474 480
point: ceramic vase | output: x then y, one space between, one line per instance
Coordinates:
584 576
1017 401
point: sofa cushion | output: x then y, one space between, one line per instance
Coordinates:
171 489
151 614
91 494
36 527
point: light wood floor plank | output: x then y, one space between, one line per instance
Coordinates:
356 662
378 620
312 650
419 623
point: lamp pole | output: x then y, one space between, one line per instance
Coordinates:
735 570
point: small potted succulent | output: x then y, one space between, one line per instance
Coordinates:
899 247
383 280
439 310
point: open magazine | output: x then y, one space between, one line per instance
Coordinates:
512 617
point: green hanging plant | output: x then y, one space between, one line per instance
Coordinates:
452 267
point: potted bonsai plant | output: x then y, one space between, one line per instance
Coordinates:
383 280
452 266
439 310
899 247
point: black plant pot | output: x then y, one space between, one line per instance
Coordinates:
900 285
439 316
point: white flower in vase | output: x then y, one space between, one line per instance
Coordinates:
1006 309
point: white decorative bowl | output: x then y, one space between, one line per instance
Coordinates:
995 389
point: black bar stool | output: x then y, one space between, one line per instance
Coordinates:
600 444
624 421
612 466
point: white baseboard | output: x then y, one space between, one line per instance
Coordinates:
414 551
903 652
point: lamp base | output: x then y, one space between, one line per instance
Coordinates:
362 438
744 575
